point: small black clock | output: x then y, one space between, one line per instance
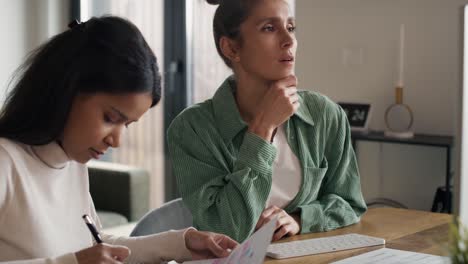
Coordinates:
358 115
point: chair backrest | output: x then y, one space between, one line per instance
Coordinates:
119 189
171 215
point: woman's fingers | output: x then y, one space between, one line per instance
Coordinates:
267 215
102 253
291 91
281 232
290 81
216 249
221 245
119 253
285 230
282 220
207 244
228 243
285 225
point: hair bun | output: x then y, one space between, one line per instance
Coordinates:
213 2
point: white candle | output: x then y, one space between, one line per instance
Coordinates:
401 58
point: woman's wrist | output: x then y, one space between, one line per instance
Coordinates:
265 132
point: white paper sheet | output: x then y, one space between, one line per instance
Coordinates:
252 251
394 256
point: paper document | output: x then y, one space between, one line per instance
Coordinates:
394 256
252 251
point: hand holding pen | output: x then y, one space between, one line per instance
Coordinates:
100 252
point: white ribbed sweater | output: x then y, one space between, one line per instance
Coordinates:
42 198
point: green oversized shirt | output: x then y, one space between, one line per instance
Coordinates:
224 173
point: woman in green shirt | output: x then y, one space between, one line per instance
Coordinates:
259 148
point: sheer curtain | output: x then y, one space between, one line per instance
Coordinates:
143 143
209 69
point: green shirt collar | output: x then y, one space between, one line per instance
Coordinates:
228 118
303 111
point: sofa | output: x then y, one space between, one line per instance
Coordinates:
120 193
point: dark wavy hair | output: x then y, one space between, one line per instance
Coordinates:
228 18
103 55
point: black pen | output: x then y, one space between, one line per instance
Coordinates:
92 229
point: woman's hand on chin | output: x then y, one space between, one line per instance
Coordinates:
279 103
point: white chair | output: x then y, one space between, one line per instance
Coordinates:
171 215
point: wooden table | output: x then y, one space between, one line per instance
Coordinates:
403 229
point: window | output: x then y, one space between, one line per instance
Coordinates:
209 70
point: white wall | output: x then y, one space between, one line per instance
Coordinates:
25 24
329 28
16 18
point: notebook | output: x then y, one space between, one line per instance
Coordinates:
252 250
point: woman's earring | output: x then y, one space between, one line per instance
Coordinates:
236 58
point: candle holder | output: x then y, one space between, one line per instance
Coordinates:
399 117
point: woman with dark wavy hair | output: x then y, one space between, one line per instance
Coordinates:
72 100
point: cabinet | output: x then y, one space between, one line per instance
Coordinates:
439 141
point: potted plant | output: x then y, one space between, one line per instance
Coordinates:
458 242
